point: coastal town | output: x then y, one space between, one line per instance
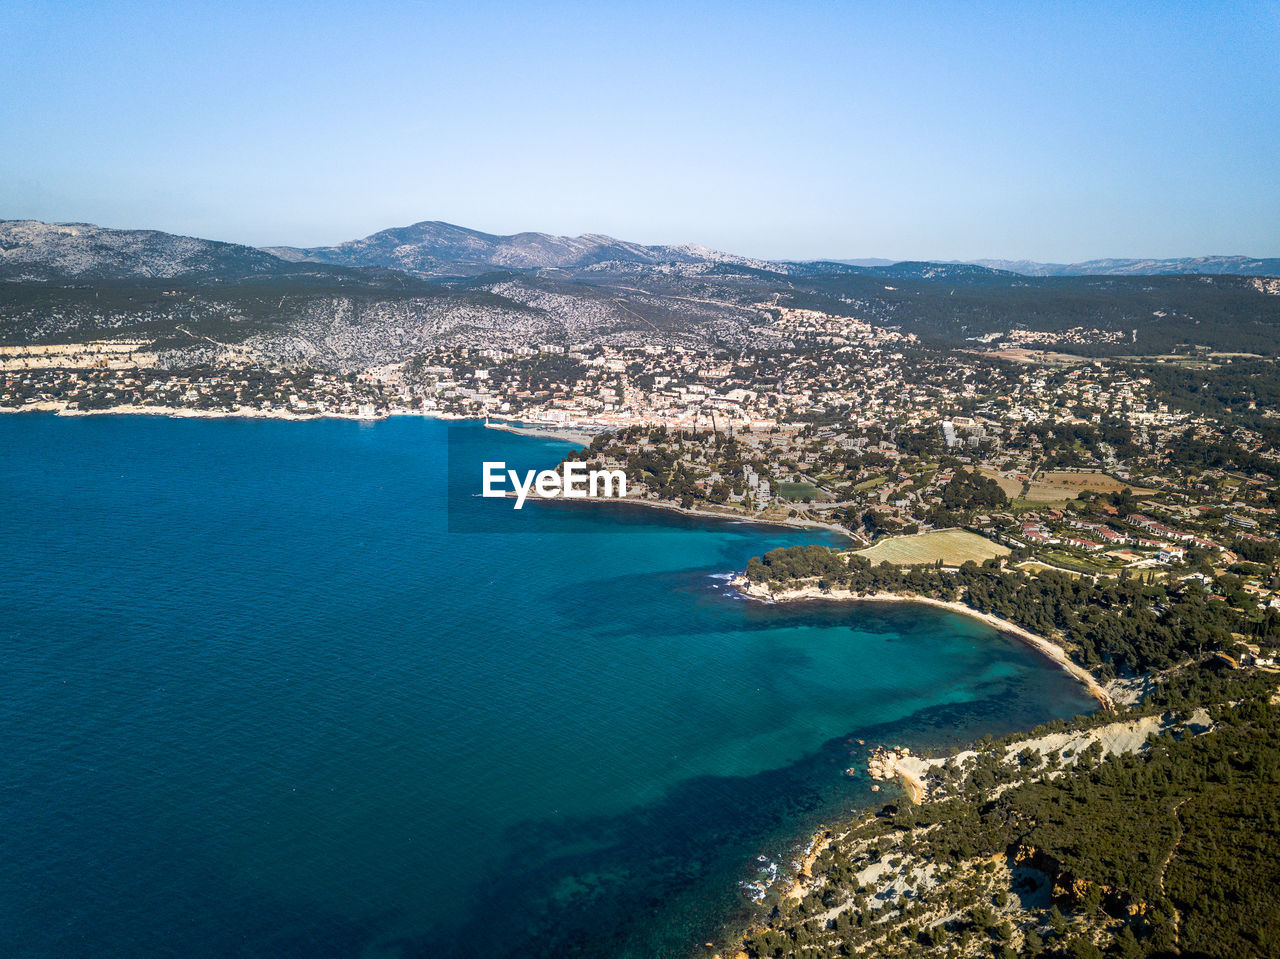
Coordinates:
1096 468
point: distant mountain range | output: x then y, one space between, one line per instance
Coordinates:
390 296
1217 265
442 249
79 252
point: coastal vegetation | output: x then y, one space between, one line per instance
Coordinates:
1163 846
1113 627
1118 844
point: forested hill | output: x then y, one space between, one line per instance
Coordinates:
1094 316
1120 849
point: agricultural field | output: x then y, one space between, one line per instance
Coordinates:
1060 486
1081 564
952 546
1039 357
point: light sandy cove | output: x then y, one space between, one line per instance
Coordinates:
1045 646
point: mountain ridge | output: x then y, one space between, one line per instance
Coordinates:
411 288
36 251
1235 265
32 251
433 247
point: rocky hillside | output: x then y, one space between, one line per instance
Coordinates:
1154 836
393 294
80 252
432 248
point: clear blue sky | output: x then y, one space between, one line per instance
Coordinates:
1053 131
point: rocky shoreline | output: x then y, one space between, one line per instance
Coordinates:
886 762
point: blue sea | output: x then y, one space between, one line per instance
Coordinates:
256 699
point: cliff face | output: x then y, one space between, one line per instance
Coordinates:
1071 891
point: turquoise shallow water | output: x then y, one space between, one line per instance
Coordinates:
257 700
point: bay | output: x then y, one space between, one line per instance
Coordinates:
257 699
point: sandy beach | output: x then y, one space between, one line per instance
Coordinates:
569 435
1040 643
